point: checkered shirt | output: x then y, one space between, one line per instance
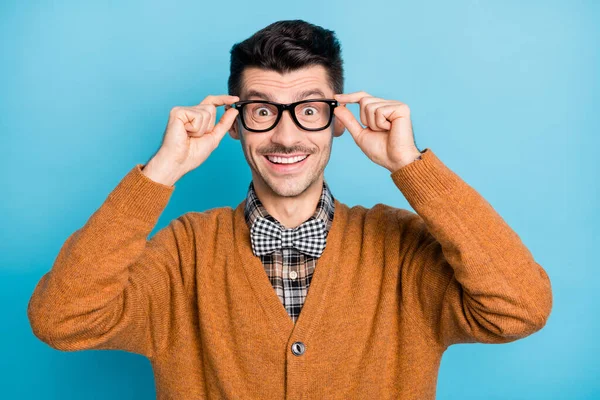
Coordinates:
289 270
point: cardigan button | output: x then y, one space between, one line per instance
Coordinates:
298 348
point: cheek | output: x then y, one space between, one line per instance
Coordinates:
251 152
325 144
247 150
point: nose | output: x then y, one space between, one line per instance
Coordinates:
287 133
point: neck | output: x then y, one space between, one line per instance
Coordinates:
290 211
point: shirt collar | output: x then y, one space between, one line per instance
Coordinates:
324 211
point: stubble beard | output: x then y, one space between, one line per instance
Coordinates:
292 186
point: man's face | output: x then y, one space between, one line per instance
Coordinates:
286 139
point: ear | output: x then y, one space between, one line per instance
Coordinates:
234 130
338 127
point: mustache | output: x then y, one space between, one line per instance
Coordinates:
285 150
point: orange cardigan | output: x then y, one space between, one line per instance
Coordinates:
391 292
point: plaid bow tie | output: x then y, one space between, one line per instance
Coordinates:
267 236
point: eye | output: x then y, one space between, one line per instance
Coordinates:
263 112
309 111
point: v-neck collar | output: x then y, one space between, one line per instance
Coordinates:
254 208
320 287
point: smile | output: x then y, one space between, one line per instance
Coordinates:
286 164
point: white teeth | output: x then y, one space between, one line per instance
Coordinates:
286 160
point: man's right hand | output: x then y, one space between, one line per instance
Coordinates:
190 137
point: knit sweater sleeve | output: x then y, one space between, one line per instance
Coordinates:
466 275
110 287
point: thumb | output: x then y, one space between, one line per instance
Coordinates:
349 121
224 124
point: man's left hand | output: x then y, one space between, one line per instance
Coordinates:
387 139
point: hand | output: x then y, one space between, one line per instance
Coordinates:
190 137
387 138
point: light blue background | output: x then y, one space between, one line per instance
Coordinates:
505 93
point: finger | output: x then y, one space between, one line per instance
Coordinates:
224 124
207 118
211 109
213 115
349 121
372 119
194 122
369 116
351 97
204 120
364 102
220 100
363 99
191 119
381 117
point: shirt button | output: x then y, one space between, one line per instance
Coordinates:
298 348
293 274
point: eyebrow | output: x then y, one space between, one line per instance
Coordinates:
299 96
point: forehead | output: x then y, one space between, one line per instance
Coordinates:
286 86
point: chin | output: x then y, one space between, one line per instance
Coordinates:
290 187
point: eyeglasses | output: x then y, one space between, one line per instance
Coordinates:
262 116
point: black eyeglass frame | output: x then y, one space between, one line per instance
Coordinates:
281 108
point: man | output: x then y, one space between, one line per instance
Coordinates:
292 294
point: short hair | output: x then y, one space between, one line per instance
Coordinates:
285 46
